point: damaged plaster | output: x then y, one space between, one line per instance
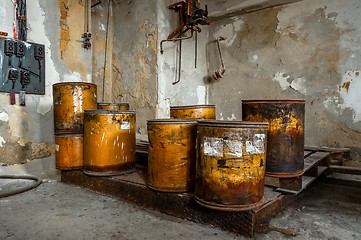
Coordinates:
350 93
27 132
2 141
306 50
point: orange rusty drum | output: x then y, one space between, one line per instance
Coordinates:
69 151
171 154
109 142
285 156
231 158
70 100
193 111
113 106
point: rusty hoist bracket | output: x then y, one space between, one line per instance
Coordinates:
190 15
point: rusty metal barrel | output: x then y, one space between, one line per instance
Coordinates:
171 154
193 111
286 120
70 100
109 142
69 151
113 106
230 167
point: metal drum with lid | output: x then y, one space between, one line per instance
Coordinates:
70 100
193 111
171 154
109 142
230 164
286 118
113 106
69 151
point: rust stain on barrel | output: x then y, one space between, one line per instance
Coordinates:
171 155
286 133
230 164
109 140
69 151
70 100
193 111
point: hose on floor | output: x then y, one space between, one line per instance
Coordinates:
20 190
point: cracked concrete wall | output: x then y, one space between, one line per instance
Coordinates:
306 50
26 133
134 58
126 49
102 48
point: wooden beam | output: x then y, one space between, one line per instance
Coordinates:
345 169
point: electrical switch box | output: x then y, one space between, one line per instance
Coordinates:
22 66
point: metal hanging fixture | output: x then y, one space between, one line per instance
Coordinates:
219 73
190 16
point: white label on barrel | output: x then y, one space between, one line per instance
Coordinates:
213 146
233 148
125 125
57 147
257 145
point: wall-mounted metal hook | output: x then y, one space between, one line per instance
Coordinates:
220 73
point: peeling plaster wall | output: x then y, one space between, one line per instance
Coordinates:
134 58
26 133
102 48
192 88
306 50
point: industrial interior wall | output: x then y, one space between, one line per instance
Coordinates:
192 87
102 38
26 132
131 66
306 50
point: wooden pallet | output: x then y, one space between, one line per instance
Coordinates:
132 188
317 161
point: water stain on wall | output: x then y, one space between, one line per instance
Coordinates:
282 53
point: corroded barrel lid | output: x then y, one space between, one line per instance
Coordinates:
112 104
192 106
74 83
101 111
172 121
231 124
281 101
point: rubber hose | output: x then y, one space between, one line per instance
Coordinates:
20 190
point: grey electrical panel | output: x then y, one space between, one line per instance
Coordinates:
22 66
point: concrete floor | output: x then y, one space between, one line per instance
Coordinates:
58 211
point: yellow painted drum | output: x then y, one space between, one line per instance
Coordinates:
193 111
109 142
230 165
69 151
113 106
70 100
171 154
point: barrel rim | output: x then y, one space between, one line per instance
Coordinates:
192 106
103 111
273 101
169 121
74 83
112 104
68 131
69 135
229 123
